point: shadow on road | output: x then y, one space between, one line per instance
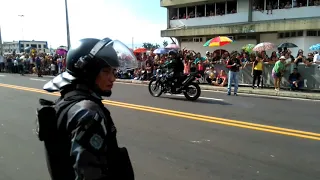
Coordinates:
206 101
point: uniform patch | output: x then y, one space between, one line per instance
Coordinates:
96 141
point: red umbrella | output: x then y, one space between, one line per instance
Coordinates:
140 50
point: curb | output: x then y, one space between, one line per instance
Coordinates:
302 95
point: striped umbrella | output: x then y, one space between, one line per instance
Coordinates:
315 47
218 41
265 46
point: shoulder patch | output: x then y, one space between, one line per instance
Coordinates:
96 141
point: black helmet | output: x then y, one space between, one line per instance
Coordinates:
87 57
90 55
172 52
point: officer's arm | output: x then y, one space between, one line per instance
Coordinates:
87 146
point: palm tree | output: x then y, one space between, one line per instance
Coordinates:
165 43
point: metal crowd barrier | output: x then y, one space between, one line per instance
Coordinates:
310 75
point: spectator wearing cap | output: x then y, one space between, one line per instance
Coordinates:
278 71
295 80
233 64
309 59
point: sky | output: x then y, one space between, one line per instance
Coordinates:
44 20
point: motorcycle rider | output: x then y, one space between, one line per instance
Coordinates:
84 144
175 66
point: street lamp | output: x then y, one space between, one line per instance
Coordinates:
67 22
21 16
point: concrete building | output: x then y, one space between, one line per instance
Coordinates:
19 46
193 22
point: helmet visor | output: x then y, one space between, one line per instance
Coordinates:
118 55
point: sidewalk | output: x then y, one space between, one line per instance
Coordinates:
248 90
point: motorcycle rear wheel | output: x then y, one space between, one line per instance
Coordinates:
196 95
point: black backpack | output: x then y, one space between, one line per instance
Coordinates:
51 114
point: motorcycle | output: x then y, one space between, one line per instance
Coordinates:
164 83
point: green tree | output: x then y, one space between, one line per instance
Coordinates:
149 46
165 43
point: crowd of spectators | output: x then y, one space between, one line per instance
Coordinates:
205 65
44 64
41 64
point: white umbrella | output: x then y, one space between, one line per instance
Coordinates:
265 46
172 46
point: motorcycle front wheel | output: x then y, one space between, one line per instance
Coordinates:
153 86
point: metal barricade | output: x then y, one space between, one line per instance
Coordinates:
310 75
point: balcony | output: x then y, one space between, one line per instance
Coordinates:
168 3
239 17
292 13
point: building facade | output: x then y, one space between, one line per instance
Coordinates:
19 46
193 22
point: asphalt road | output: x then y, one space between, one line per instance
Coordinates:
174 145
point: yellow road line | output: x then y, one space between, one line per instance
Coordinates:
198 117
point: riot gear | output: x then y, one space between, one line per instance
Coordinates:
77 130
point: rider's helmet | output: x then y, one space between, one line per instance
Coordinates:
172 54
88 57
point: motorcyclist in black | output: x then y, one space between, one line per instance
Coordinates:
175 66
84 145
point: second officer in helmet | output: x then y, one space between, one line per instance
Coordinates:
83 144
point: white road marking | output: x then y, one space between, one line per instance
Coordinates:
245 94
34 79
2 75
207 98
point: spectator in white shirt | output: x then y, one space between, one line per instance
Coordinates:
316 58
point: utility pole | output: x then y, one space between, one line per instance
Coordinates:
22 16
67 22
132 43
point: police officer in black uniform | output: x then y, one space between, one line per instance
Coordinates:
175 65
80 142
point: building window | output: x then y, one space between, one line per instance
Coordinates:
187 40
312 33
191 11
39 46
173 13
182 13
231 7
200 11
299 33
220 8
27 45
197 39
211 10
290 34
45 46
258 5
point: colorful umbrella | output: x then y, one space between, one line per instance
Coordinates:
160 51
287 45
265 46
218 41
61 52
172 46
248 48
315 47
140 50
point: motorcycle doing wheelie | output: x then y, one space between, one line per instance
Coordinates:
163 82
